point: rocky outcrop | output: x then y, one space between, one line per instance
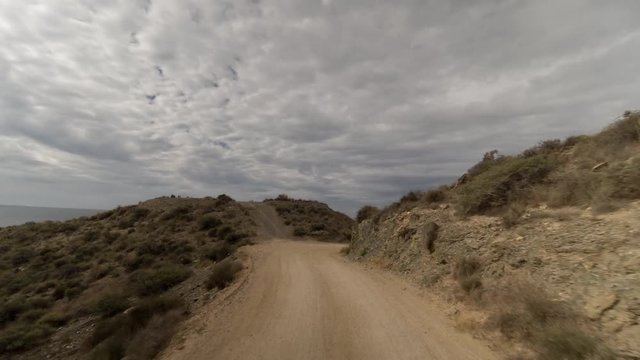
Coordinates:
592 262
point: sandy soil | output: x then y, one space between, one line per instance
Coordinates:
303 300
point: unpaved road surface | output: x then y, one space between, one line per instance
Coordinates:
303 300
268 222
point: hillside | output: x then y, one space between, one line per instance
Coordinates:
312 219
119 283
539 249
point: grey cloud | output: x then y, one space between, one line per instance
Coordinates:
350 102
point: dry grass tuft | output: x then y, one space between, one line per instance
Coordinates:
525 312
467 273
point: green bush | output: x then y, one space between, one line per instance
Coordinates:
23 337
182 213
494 187
58 292
54 319
218 251
223 231
114 334
22 256
208 223
111 304
223 200
235 237
158 280
138 261
412 196
621 132
544 148
622 181
32 315
489 160
10 310
151 339
223 273
299 231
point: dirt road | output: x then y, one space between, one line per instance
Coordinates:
303 300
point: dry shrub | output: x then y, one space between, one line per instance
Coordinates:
366 212
512 215
411 196
524 311
576 187
219 251
467 273
544 148
158 280
111 304
150 340
489 160
622 181
435 195
19 337
622 132
111 337
223 273
562 341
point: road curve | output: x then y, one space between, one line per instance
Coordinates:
303 300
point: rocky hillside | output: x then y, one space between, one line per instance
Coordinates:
313 219
544 245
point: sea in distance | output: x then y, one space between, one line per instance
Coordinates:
17 215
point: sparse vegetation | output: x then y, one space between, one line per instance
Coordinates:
159 279
138 334
601 171
525 312
111 304
508 179
55 274
299 232
223 273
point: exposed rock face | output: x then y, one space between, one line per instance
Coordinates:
599 302
593 262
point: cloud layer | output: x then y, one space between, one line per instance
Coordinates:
350 102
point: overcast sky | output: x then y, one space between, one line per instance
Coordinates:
110 102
